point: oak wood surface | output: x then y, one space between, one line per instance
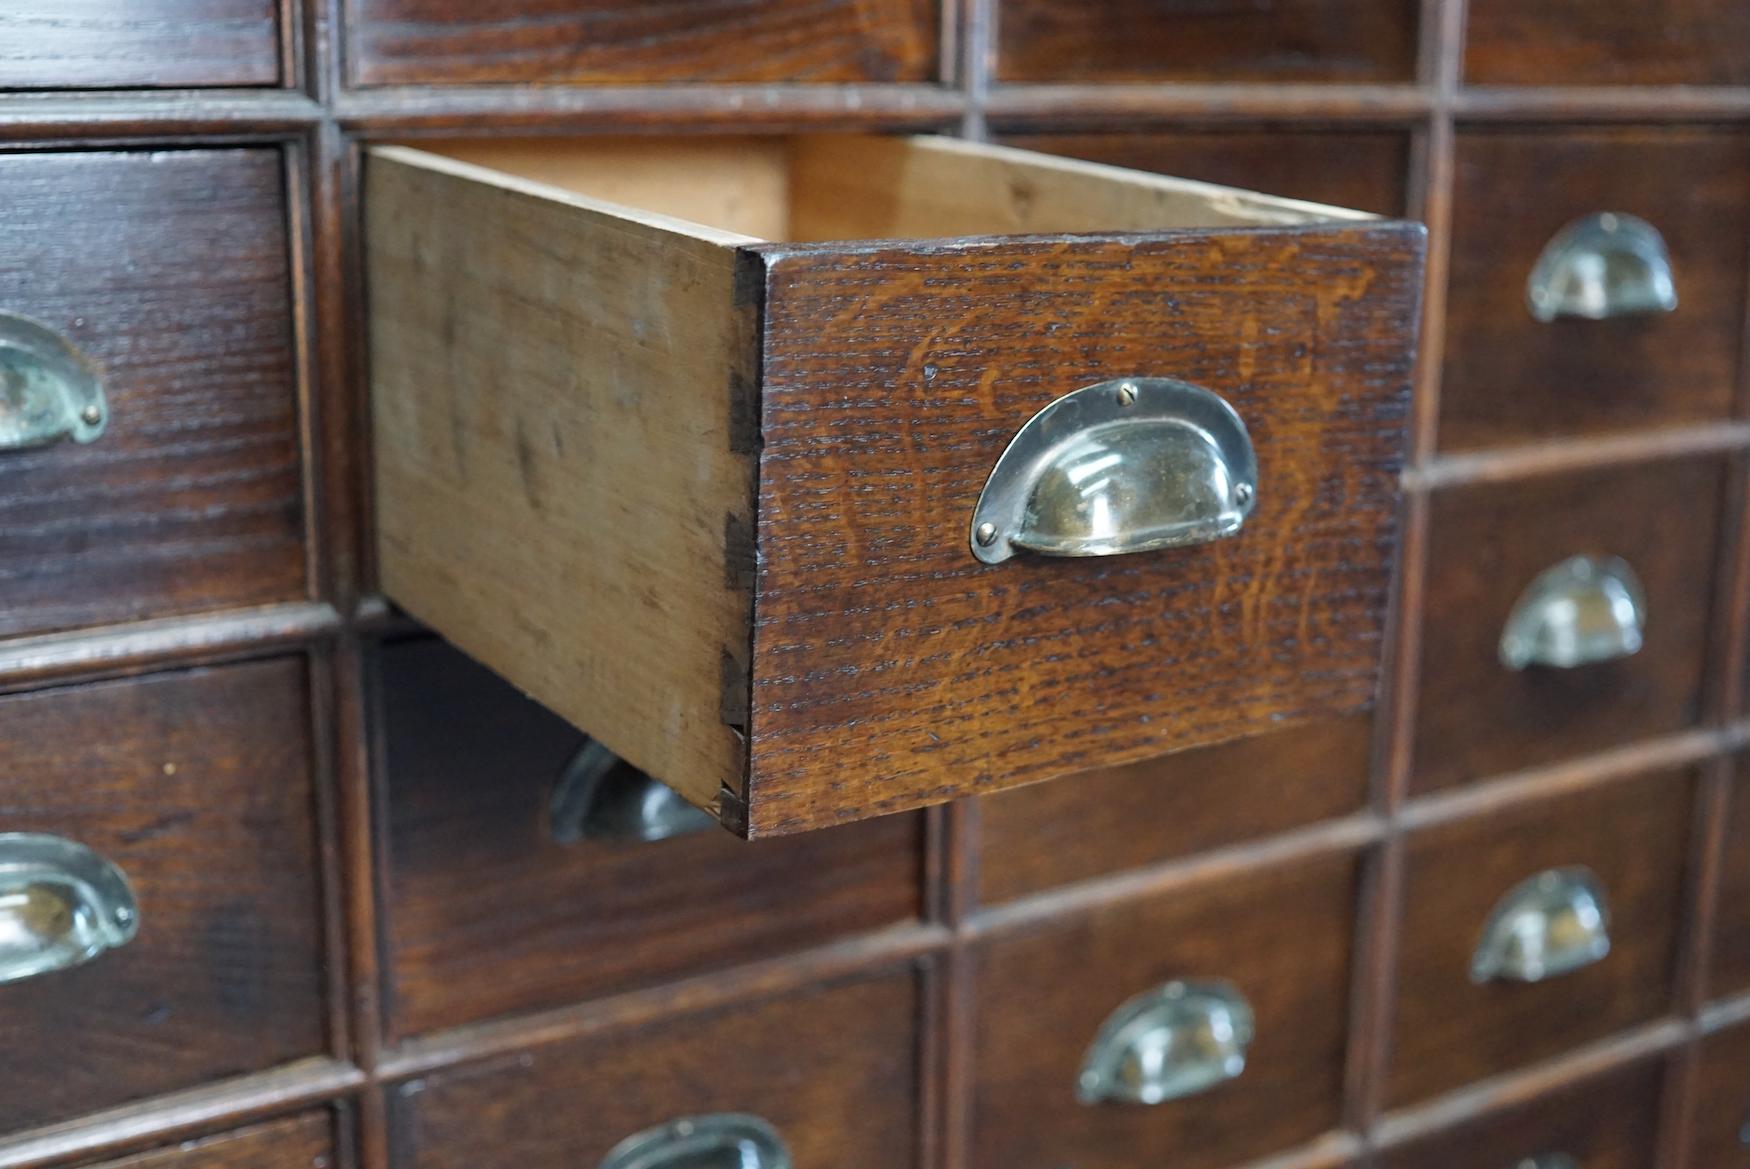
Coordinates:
100 44
197 784
1446 1030
305 1141
1730 972
1616 42
1722 1102
170 270
1282 936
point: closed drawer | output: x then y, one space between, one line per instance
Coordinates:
1362 169
433 42
209 962
490 912
1720 1116
1608 227
1048 834
168 272
1564 614
1616 42
299 1142
1223 1002
1595 879
1731 940
1608 1121
830 1074
1142 40
794 613
124 44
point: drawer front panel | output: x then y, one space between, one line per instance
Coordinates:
1731 940
300 1142
1489 544
1617 42
833 1071
1048 834
1364 170
1279 937
1720 1136
1511 378
882 644
436 42
120 44
1141 40
1609 1121
196 785
169 271
489 914
1456 1021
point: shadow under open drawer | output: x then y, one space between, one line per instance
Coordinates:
1063 465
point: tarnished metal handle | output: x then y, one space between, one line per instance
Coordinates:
1602 266
1548 925
1585 610
723 1140
1548 1161
1168 1043
600 796
1123 466
48 390
61 905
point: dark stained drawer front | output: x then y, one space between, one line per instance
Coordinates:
488 912
1607 42
433 42
1505 682
1510 377
300 1142
831 1074
1720 1118
1595 878
168 271
761 461
1265 952
1731 940
196 786
1608 1121
1048 834
123 44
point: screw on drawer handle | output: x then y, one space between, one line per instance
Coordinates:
723 1140
1123 466
1602 266
600 796
48 390
61 905
1548 925
1585 610
1168 1043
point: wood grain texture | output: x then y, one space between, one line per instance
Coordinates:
1508 378
833 1069
1722 1102
1607 42
558 393
1633 834
1730 971
890 386
1178 40
401 42
170 270
486 914
300 1142
1281 935
1609 1121
197 784
1363 169
1103 821
114 44
1475 717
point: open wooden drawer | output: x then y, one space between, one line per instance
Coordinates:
735 507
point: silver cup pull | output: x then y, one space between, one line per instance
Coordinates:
1548 1161
61 905
600 796
48 390
1123 466
1585 610
1548 925
723 1140
1174 1041
1602 266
